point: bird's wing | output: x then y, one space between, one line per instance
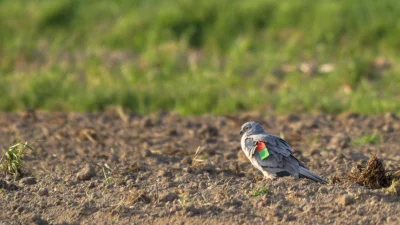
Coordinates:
279 153
249 146
274 143
274 155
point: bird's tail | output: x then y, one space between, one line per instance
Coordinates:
310 175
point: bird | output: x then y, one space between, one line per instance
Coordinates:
272 155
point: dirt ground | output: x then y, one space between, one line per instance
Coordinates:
121 168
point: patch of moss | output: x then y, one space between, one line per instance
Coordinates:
394 188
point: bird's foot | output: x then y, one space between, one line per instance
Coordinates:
267 177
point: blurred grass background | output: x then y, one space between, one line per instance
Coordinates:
196 57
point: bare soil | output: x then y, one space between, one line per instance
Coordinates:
121 168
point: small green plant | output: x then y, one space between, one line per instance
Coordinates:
260 191
367 139
106 177
12 160
185 201
394 188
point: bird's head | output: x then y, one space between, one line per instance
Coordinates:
250 128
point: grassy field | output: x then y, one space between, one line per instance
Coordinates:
199 57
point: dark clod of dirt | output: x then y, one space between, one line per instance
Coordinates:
340 140
8 186
169 197
232 155
36 219
147 122
187 160
209 131
323 190
388 128
346 200
138 196
3 184
288 218
290 118
43 192
30 114
27 181
92 185
173 132
234 202
206 168
372 176
192 211
163 173
86 173
147 153
335 179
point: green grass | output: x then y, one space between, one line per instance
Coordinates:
367 139
261 191
199 57
106 177
106 172
12 160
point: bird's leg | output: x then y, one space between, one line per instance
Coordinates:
268 176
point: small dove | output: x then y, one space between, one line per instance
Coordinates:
272 155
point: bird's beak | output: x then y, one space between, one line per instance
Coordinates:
241 132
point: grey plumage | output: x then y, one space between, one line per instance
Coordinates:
280 161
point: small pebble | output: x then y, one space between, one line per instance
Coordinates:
43 192
187 160
346 200
86 173
169 197
339 140
323 190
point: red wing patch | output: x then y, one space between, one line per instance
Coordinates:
260 146
262 150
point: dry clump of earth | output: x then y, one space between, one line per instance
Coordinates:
117 167
373 175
